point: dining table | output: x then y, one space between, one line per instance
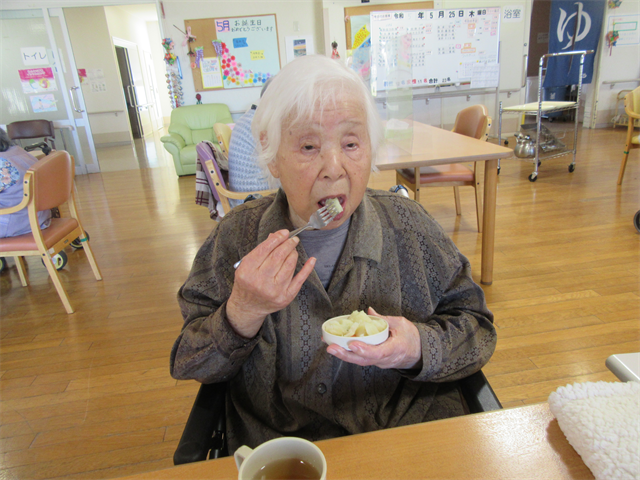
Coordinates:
517 443
419 145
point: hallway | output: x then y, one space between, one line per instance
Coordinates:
146 152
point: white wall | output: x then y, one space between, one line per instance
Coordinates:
620 63
91 23
157 55
306 14
624 63
127 27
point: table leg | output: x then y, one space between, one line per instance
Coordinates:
489 220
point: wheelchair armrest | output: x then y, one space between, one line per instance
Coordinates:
44 146
205 428
478 394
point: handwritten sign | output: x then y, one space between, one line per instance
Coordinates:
257 58
34 56
240 42
432 47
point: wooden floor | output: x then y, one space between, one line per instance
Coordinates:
89 395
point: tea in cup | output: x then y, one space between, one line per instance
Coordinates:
281 458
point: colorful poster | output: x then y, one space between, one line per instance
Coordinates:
37 80
627 28
249 50
298 46
82 74
43 103
211 75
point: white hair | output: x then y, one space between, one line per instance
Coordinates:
299 93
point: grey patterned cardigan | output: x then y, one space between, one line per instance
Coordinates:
396 259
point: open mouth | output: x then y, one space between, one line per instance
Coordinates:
341 198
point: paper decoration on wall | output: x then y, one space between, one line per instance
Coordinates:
614 3
359 58
199 57
211 74
234 75
334 53
37 80
169 56
43 103
612 39
174 84
188 38
217 45
249 50
363 36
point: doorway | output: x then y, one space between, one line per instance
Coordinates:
120 63
130 90
36 44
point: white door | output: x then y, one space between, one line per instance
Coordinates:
40 81
153 95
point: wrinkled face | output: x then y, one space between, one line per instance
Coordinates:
327 157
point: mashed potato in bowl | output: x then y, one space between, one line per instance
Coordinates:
358 326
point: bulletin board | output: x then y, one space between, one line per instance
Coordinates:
358 17
447 46
248 53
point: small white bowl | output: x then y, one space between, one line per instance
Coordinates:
344 342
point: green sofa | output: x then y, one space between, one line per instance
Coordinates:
189 126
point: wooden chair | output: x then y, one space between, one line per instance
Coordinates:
48 184
216 182
223 132
473 122
632 109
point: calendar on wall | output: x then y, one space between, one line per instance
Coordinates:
432 47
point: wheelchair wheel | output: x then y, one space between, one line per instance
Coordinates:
3 264
59 260
77 243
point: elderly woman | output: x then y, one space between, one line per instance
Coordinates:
259 327
14 163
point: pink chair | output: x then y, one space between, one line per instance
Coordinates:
472 122
48 184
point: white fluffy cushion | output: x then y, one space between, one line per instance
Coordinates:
602 421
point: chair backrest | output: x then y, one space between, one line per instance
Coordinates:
205 152
472 121
30 129
632 102
50 180
223 132
195 123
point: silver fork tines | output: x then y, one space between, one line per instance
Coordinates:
319 219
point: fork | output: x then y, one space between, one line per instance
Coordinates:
319 219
